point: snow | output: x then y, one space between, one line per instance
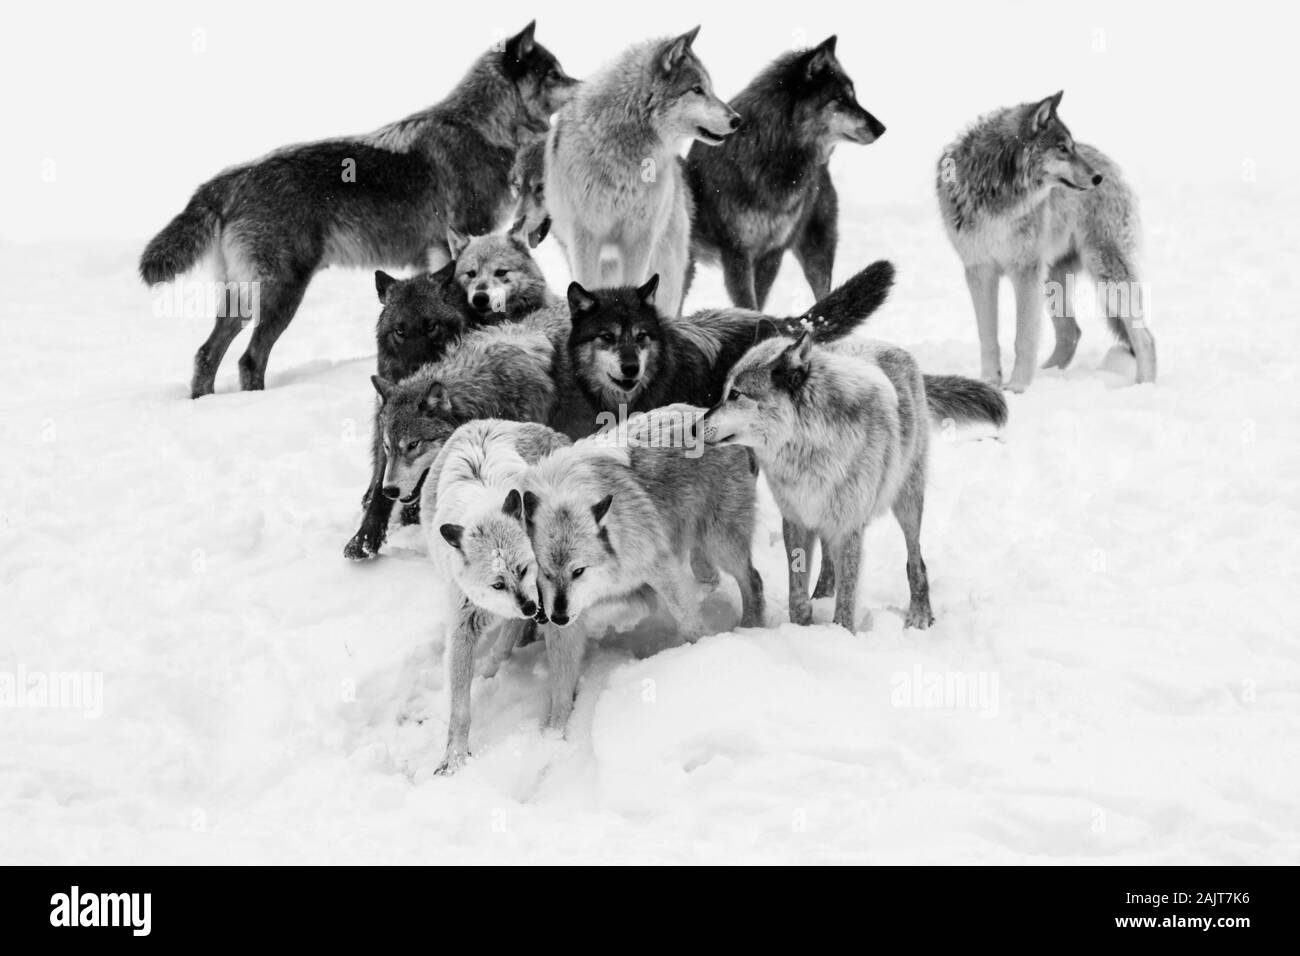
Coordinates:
1114 583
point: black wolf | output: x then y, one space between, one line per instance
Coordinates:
767 187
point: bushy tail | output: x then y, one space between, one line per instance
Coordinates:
185 239
964 400
847 306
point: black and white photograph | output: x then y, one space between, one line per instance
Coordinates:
684 434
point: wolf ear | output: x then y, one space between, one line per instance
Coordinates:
514 506
531 501
677 50
383 386
1044 111
647 292
521 44
444 275
436 399
601 507
456 242
382 283
792 368
451 533
820 58
765 328
580 300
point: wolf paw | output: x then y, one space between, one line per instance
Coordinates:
453 762
919 618
801 614
358 549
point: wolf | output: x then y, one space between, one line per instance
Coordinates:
498 274
501 371
472 518
607 519
767 189
1019 197
612 171
841 434
420 318
528 185
627 357
386 198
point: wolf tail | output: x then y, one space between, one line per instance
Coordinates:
186 238
964 400
847 306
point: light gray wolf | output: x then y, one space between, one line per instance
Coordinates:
768 189
419 319
498 274
841 434
387 198
627 357
612 172
472 518
1019 197
610 515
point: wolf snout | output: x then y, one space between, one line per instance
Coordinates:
559 620
735 121
1096 179
480 301
392 492
528 609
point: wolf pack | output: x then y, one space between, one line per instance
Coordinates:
580 460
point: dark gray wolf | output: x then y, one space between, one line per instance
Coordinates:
419 320
768 189
612 172
626 356
1019 197
606 520
841 434
383 199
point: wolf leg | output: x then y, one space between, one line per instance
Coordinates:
825 586
847 561
738 274
1028 285
766 267
670 258
1125 308
377 508
280 298
703 569
584 259
815 245
460 676
232 313
908 507
673 587
736 560
798 546
1060 297
512 632
982 280
564 649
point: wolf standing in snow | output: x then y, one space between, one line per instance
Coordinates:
612 172
841 434
383 199
1020 198
471 513
768 189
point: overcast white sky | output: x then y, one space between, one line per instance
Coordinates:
113 113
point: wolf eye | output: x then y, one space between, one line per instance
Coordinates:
577 572
607 338
502 273
498 585
733 396
399 334
471 274
413 445
642 337
697 90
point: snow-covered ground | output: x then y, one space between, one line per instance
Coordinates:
1115 580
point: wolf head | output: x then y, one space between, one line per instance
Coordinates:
493 561
759 407
528 184
420 318
616 340
542 83
1053 157
575 561
415 420
497 274
826 108
683 105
